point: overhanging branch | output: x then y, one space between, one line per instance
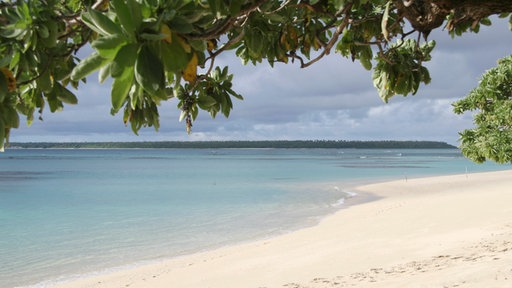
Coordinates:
334 39
426 15
226 24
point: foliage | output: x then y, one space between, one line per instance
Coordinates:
491 137
401 70
155 50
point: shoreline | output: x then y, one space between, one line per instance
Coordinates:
425 232
350 198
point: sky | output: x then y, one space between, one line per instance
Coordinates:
333 99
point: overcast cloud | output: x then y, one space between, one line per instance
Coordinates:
333 99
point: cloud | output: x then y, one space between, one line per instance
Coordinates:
425 119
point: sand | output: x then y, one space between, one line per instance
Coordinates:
453 231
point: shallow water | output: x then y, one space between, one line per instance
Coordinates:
65 213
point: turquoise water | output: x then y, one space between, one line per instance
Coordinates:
69 213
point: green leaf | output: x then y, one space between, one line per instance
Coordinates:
6 60
173 56
11 31
183 115
226 105
149 71
10 117
3 87
194 111
45 81
255 42
214 6
29 41
135 121
236 5
108 46
136 96
367 64
181 25
87 66
205 101
53 33
129 15
100 23
234 94
274 17
24 12
425 75
153 37
64 95
485 22
384 22
43 31
120 88
338 4
54 103
125 57
87 20
2 135
365 57
198 45
104 73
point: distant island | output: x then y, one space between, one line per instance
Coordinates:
323 144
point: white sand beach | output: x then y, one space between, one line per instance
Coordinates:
452 231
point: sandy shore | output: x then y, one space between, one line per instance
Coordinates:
453 231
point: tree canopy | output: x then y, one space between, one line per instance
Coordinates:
492 136
155 50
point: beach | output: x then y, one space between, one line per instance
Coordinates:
448 231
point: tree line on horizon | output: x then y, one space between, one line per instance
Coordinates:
326 144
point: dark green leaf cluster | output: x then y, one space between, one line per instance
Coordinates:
473 26
215 94
371 25
140 46
492 137
399 70
36 47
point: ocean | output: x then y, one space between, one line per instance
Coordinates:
71 213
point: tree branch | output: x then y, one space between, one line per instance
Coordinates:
226 24
426 15
334 39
